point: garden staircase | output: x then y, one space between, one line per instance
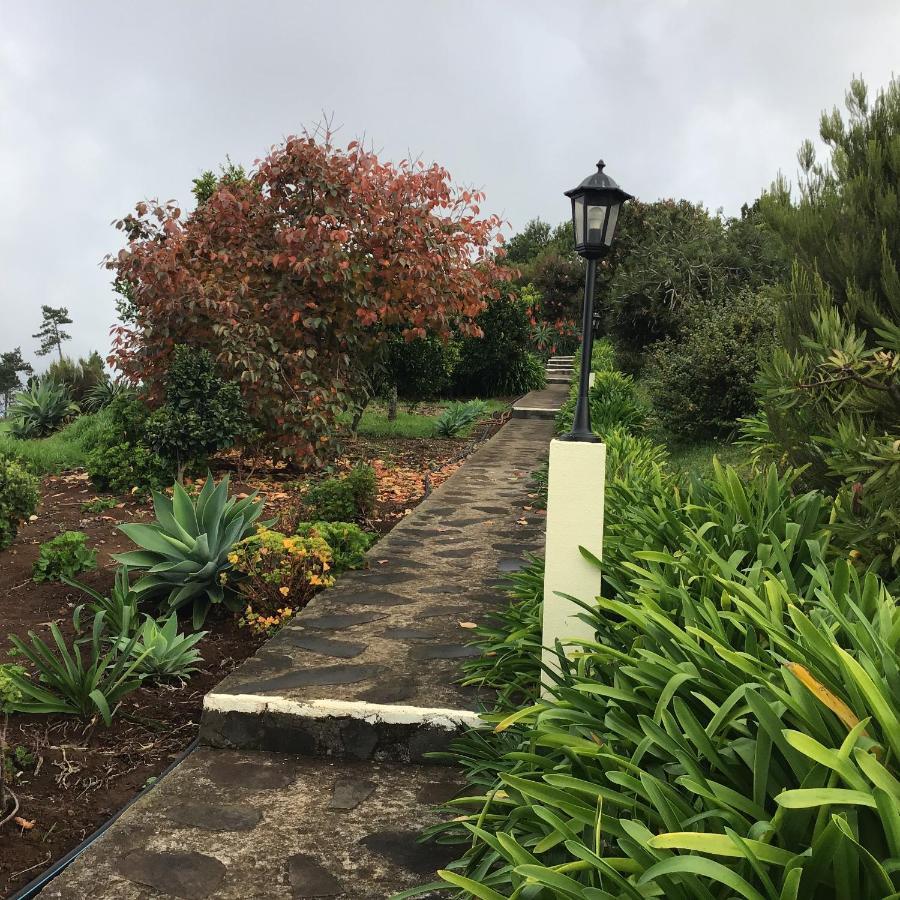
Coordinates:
313 777
559 369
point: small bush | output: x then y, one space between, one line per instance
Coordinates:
278 574
202 414
162 651
701 383
99 505
421 369
18 498
64 557
458 418
348 542
343 499
121 458
40 410
499 364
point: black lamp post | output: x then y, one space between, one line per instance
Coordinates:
595 211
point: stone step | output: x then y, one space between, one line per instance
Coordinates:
237 826
543 404
559 379
370 668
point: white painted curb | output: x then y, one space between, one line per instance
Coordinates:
374 713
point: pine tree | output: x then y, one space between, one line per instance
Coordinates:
11 364
832 393
51 334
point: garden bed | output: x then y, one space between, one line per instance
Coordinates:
81 772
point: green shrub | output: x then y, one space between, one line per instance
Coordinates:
348 542
40 410
421 369
64 557
104 392
19 494
343 499
99 504
701 383
202 414
9 693
79 378
499 364
121 458
458 418
85 680
185 552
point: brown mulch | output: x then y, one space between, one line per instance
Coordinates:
81 772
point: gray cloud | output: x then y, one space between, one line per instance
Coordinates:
104 103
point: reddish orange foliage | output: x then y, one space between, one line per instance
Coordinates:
291 279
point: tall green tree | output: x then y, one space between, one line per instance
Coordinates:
11 365
831 394
50 333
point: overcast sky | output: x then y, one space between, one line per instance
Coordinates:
105 103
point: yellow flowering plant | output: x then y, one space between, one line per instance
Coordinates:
278 574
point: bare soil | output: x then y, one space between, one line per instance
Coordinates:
80 773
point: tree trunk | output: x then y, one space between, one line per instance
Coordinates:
357 417
392 404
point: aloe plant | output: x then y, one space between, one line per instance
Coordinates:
184 554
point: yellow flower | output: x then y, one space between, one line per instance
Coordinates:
284 591
232 558
286 543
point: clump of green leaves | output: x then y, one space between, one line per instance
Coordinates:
458 418
99 504
614 404
184 554
64 557
18 498
9 693
88 678
348 542
120 608
345 499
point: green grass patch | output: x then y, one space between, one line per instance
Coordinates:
697 459
375 422
67 449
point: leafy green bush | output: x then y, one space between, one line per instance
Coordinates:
499 364
64 557
9 693
701 382
164 652
202 414
86 680
18 498
343 499
121 458
79 378
348 542
458 418
421 369
40 409
184 553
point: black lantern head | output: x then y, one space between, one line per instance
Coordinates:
595 211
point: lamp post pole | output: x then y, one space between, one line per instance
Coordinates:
581 423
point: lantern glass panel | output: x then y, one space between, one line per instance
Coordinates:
578 219
596 216
611 224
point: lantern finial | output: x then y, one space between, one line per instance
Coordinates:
600 165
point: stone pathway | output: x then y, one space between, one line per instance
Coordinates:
311 782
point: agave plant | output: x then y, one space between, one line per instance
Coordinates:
104 392
40 409
184 554
120 608
458 417
164 652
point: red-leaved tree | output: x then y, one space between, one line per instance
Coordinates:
292 278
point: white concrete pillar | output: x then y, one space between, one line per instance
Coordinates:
576 485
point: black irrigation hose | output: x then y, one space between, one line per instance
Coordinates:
33 888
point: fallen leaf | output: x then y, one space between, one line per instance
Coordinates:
23 823
468 625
